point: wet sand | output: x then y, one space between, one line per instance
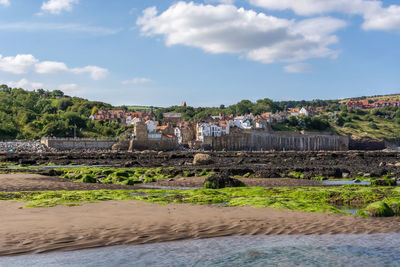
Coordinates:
261 182
108 223
34 182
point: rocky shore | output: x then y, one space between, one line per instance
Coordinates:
256 164
22 146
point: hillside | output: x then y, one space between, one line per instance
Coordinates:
34 114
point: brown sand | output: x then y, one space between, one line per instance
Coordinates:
131 222
262 182
34 182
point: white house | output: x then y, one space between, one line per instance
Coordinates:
304 111
151 126
178 134
132 121
212 129
243 122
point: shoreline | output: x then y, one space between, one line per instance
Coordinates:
92 225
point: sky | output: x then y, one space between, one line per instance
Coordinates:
207 53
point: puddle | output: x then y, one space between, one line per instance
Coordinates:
168 187
344 182
348 209
62 166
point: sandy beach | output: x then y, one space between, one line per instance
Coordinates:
108 223
34 182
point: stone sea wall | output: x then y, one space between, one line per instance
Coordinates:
78 143
264 141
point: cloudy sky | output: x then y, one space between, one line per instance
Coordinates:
210 52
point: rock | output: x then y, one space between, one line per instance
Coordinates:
397 164
356 181
122 145
383 182
87 178
395 206
216 181
345 175
381 164
202 159
377 209
367 175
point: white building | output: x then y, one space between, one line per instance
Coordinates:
304 111
178 134
151 126
243 122
212 129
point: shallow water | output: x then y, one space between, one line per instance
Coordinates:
344 182
310 250
168 187
63 166
348 209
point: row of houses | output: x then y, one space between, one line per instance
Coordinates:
365 104
174 128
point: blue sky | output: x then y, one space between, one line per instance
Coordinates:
161 52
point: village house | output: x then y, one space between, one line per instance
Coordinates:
216 129
243 122
260 123
185 134
359 104
377 104
380 104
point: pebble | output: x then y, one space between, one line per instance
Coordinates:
22 146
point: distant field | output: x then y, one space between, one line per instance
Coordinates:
141 108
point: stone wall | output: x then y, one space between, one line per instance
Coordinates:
153 144
357 143
264 141
78 143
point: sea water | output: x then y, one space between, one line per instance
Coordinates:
279 250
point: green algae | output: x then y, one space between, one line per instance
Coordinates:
311 199
377 209
130 176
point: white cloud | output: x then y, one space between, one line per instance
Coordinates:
227 29
226 2
35 27
24 83
57 6
383 19
50 67
376 17
18 64
137 81
24 63
4 2
298 68
96 73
